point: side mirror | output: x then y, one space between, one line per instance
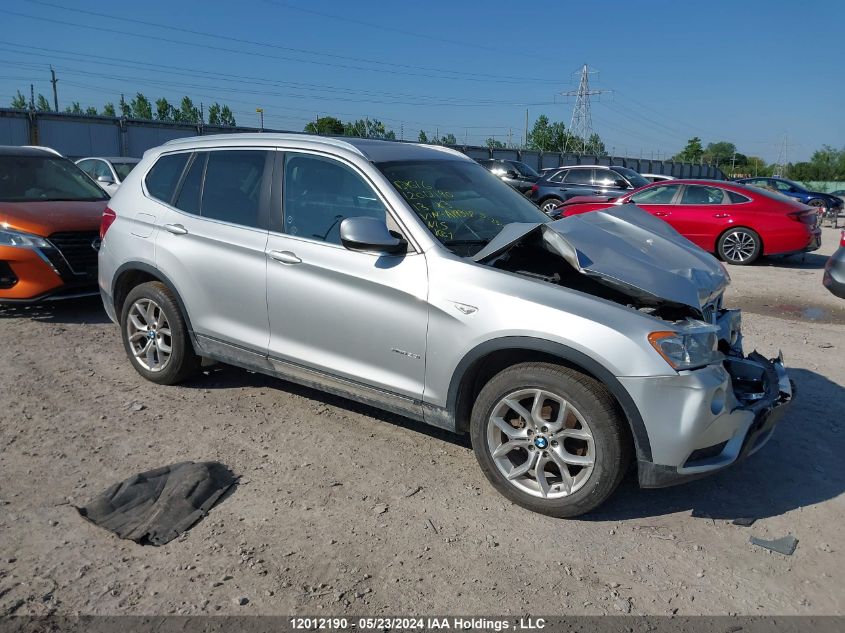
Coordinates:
105 180
369 234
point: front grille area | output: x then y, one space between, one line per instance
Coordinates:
76 247
8 278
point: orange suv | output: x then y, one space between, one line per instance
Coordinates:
50 214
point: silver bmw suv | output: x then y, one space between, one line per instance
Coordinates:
410 278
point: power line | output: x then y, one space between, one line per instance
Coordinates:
453 75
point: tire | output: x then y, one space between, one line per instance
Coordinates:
549 204
739 246
152 302
590 412
816 203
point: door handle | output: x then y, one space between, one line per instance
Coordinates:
721 215
176 229
661 214
284 257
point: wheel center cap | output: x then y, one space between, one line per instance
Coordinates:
541 442
151 334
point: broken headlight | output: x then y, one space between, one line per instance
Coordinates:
690 348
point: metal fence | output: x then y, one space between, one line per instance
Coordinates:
76 135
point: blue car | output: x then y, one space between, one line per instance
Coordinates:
799 192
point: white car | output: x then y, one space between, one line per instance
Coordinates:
657 177
108 172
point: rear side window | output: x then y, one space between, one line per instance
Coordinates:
234 180
164 176
189 195
579 176
662 194
697 194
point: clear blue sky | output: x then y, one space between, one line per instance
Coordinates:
747 72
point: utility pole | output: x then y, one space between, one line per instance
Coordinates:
402 131
31 97
581 125
54 81
779 168
510 135
525 141
260 119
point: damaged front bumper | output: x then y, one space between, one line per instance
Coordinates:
720 414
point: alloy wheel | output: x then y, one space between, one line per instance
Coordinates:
551 205
540 443
739 246
148 332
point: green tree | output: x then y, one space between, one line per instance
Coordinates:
596 146
493 143
74 108
91 111
188 112
19 101
141 108
108 109
423 137
692 153
552 137
227 117
720 153
125 111
41 104
447 139
214 114
327 125
164 111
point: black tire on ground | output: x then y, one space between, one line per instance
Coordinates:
816 202
183 362
549 204
739 246
611 436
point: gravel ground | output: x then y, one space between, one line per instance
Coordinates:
344 509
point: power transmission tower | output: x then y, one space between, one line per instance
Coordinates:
581 126
779 168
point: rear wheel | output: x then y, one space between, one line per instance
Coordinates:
816 202
740 246
549 439
155 335
550 204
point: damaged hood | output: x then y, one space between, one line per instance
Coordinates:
628 249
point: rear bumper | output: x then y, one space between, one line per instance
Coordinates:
730 412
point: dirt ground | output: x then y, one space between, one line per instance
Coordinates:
343 509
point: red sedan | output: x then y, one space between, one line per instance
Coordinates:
736 222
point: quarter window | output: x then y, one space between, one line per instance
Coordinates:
320 193
188 199
663 194
697 194
164 176
737 198
233 184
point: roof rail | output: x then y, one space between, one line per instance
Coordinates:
46 149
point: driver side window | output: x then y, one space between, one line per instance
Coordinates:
320 193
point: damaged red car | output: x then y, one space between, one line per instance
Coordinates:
736 222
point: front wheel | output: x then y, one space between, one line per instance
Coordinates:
549 439
155 335
739 246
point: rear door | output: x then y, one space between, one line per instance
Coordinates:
212 246
348 317
578 181
700 213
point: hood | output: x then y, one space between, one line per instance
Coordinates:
45 218
629 250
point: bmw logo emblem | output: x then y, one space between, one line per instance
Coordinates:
541 442
151 334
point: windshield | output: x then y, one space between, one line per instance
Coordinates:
42 178
525 170
123 169
633 177
769 192
462 204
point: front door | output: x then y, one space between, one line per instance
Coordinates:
343 315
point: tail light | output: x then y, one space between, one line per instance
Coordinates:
842 240
108 218
535 188
805 217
